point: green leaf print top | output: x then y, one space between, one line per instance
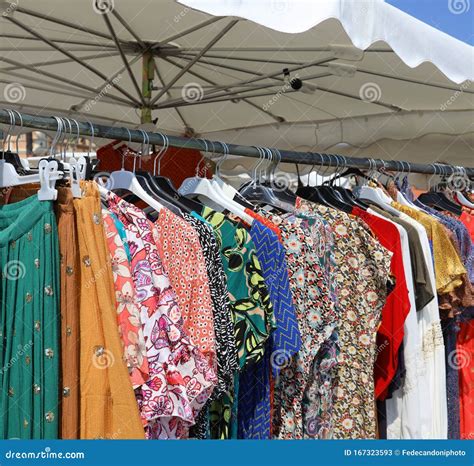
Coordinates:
252 310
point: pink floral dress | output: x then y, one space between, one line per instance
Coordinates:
128 315
181 379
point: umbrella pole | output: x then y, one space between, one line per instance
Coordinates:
148 74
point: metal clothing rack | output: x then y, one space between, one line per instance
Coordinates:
307 158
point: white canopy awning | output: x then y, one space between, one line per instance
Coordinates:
370 73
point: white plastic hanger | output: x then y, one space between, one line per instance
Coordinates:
213 193
401 199
376 196
48 174
124 179
9 176
74 170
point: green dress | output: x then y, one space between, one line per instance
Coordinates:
251 309
29 320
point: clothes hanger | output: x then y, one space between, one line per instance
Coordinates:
46 176
9 156
124 179
309 192
162 186
228 190
346 194
401 196
214 195
255 192
75 170
438 199
459 195
282 193
376 195
146 181
331 197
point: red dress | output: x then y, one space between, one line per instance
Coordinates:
468 219
397 306
464 360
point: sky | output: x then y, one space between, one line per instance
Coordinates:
454 17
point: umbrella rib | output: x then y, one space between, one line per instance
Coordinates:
188 31
61 111
220 99
213 83
73 57
185 123
62 22
392 107
258 60
127 27
59 78
261 77
58 89
277 49
228 67
63 60
183 71
63 41
124 58
99 89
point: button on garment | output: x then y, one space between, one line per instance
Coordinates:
29 346
107 396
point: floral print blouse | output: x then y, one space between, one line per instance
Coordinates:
250 302
181 379
128 315
309 247
182 258
362 274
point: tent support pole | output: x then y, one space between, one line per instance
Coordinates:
148 74
286 156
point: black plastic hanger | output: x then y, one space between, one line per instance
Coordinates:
324 195
282 193
164 187
308 192
438 199
256 192
8 155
